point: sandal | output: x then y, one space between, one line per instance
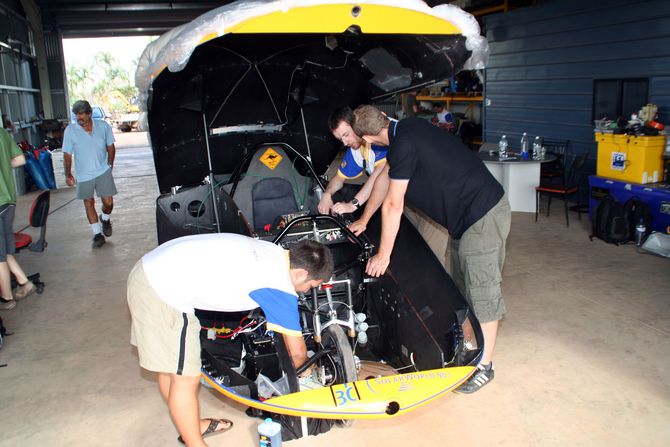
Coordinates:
213 428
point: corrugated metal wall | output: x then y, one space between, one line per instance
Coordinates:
545 58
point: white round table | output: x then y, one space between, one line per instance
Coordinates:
518 177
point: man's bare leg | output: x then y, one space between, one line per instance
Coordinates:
91 214
490 331
164 385
183 405
16 269
107 205
5 281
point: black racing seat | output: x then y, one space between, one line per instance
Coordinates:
270 162
271 197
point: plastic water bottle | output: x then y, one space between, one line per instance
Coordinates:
524 146
502 148
640 231
537 148
269 433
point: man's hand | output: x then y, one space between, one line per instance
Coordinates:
377 265
309 371
344 207
358 227
325 204
69 180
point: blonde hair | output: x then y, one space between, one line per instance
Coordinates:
369 120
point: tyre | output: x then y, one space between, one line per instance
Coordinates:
340 363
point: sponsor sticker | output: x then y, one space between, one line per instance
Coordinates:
618 161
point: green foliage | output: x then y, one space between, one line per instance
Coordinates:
104 83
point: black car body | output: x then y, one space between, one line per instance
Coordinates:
236 105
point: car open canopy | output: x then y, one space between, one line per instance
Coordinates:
254 72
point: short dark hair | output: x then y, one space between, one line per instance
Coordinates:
313 257
81 106
339 115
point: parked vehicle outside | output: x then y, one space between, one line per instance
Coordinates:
98 114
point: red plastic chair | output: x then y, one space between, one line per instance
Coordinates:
38 219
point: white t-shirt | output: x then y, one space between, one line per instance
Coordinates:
227 273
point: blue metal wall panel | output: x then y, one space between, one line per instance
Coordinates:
616 68
658 26
544 59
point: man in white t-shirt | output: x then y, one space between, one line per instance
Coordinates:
217 272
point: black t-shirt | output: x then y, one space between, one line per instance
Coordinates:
447 180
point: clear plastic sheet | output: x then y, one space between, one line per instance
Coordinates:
174 48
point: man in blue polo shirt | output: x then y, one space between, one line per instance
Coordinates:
92 144
359 158
221 272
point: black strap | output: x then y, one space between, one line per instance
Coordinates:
182 345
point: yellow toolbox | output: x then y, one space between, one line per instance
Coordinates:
630 158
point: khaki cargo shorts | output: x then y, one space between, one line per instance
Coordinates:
477 261
167 340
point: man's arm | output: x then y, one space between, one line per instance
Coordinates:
17 161
297 350
362 195
111 153
326 202
67 166
391 214
379 190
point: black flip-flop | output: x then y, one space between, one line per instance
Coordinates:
213 428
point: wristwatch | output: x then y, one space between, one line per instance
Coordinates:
355 203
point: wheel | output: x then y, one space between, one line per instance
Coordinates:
339 365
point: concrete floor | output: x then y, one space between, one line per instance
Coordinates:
582 357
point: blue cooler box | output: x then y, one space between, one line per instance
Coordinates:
656 195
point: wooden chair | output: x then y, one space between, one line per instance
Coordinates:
556 169
570 186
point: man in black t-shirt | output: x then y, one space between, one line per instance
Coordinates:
439 175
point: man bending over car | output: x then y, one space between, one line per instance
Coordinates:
359 158
215 272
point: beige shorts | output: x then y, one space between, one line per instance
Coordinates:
477 260
167 340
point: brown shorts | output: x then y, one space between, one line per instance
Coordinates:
167 340
477 260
